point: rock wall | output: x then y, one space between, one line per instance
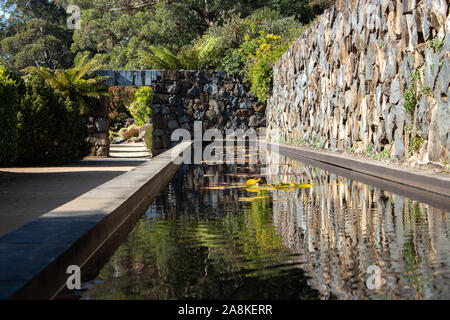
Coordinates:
217 99
368 76
98 129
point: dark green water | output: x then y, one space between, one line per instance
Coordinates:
205 239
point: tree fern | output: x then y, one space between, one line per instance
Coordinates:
78 83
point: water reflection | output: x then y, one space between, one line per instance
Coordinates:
197 242
200 243
341 227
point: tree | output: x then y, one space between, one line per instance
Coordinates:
117 31
35 34
79 84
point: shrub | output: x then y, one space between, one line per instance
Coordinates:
260 69
8 117
148 138
263 38
141 108
415 145
50 127
132 131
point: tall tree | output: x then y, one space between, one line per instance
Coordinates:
35 34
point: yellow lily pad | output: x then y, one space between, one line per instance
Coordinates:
251 182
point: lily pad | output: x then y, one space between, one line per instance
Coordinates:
252 182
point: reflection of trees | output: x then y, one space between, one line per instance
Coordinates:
340 227
200 243
204 244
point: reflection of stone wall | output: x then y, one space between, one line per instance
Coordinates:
343 83
218 100
340 227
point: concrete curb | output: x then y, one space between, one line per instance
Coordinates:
424 185
35 257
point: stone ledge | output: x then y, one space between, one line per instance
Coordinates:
34 258
423 181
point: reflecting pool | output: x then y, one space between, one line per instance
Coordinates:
208 235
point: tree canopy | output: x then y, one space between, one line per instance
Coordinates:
35 34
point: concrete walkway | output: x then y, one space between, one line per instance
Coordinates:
83 232
28 193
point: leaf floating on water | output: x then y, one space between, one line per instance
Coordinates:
253 190
252 182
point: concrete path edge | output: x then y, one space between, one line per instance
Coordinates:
34 258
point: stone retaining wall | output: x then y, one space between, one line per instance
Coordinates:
368 76
217 99
98 129
180 98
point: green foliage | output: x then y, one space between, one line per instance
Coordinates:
410 99
51 130
8 117
148 138
160 58
117 32
35 34
248 47
411 94
260 69
415 145
369 150
436 44
79 84
263 38
141 108
426 90
382 155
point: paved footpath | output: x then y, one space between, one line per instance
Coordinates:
28 193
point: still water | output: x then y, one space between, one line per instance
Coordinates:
208 237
